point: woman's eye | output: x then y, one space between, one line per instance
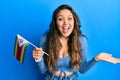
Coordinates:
69 18
60 19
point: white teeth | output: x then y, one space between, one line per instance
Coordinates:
65 27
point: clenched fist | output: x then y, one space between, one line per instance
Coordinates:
37 53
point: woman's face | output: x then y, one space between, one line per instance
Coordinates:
65 22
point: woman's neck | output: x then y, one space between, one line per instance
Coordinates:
63 40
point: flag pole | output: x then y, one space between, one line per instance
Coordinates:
37 47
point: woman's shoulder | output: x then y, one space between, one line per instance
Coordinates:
82 38
43 39
44 35
83 42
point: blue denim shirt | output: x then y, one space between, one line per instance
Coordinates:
63 63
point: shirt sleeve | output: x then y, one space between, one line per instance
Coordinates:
40 63
85 65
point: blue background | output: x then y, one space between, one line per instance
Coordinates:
100 21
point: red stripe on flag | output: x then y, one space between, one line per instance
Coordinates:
19 52
23 53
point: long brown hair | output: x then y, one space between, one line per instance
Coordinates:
53 43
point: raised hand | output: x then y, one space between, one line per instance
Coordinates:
107 57
37 53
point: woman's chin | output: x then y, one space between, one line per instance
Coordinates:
66 35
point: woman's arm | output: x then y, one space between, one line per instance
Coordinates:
38 54
85 65
41 66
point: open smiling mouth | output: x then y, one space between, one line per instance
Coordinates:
65 29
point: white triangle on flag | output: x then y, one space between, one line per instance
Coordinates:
21 40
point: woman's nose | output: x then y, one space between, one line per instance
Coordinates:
65 21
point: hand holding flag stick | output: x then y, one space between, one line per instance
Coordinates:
20 47
37 47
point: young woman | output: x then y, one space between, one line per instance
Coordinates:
66 47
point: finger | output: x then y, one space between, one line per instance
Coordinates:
111 60
107 54
118 60
37 52
114 60
38 49
37 56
